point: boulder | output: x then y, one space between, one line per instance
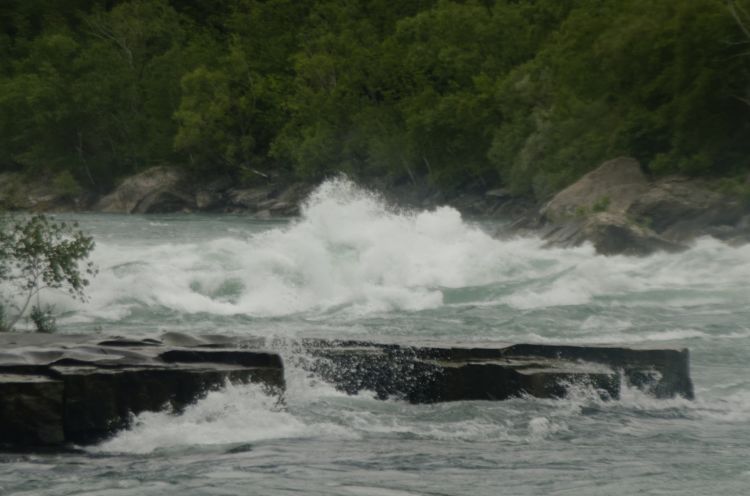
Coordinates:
611 234
620 211
612 187
680 209
250 198
156 190
269 201
212 196
208 200
290 199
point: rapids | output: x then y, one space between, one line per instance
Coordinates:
353 266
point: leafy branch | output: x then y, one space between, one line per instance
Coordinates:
38 254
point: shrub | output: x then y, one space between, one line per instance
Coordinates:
43 318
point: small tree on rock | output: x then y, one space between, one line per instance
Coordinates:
38 253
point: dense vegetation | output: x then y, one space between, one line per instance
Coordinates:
528 94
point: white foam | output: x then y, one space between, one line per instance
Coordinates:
624 336
347 250
350 254
542 428
235 414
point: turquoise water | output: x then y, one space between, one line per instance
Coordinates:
352 266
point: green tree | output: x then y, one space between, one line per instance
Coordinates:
227 116
655 80
38 253
94 93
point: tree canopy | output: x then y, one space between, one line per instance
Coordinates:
528 94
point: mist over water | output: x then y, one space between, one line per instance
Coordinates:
354 266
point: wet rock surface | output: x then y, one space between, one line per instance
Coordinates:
71 389
426 373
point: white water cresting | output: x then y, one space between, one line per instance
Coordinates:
351 266
350 254
348 250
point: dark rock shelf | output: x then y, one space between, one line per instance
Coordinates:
423 372
56 390
60 390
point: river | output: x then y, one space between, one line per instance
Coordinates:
353 266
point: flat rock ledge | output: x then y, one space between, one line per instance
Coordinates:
58 391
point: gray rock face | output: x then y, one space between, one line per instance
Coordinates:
612 187
57 390
156 190
269 201
611 234
680 209
620 211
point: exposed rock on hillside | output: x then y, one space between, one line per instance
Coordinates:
621 211
612 187
166 190
269 200
42 194
156 190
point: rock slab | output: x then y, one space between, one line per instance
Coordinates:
65 390
422 373
73 389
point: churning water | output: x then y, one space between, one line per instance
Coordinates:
352 266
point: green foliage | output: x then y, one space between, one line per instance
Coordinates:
527 93
655 80
601 204
37 253
43 318
94 94
66 185
226 114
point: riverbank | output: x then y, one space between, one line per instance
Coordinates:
616 207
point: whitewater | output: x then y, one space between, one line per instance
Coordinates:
354 266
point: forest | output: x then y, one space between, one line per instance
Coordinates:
522 94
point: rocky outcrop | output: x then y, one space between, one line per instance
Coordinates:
269 200
611 187
58 390
168 190
72 389
156 190
620 210
42 194
426 373
680 209
611 234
